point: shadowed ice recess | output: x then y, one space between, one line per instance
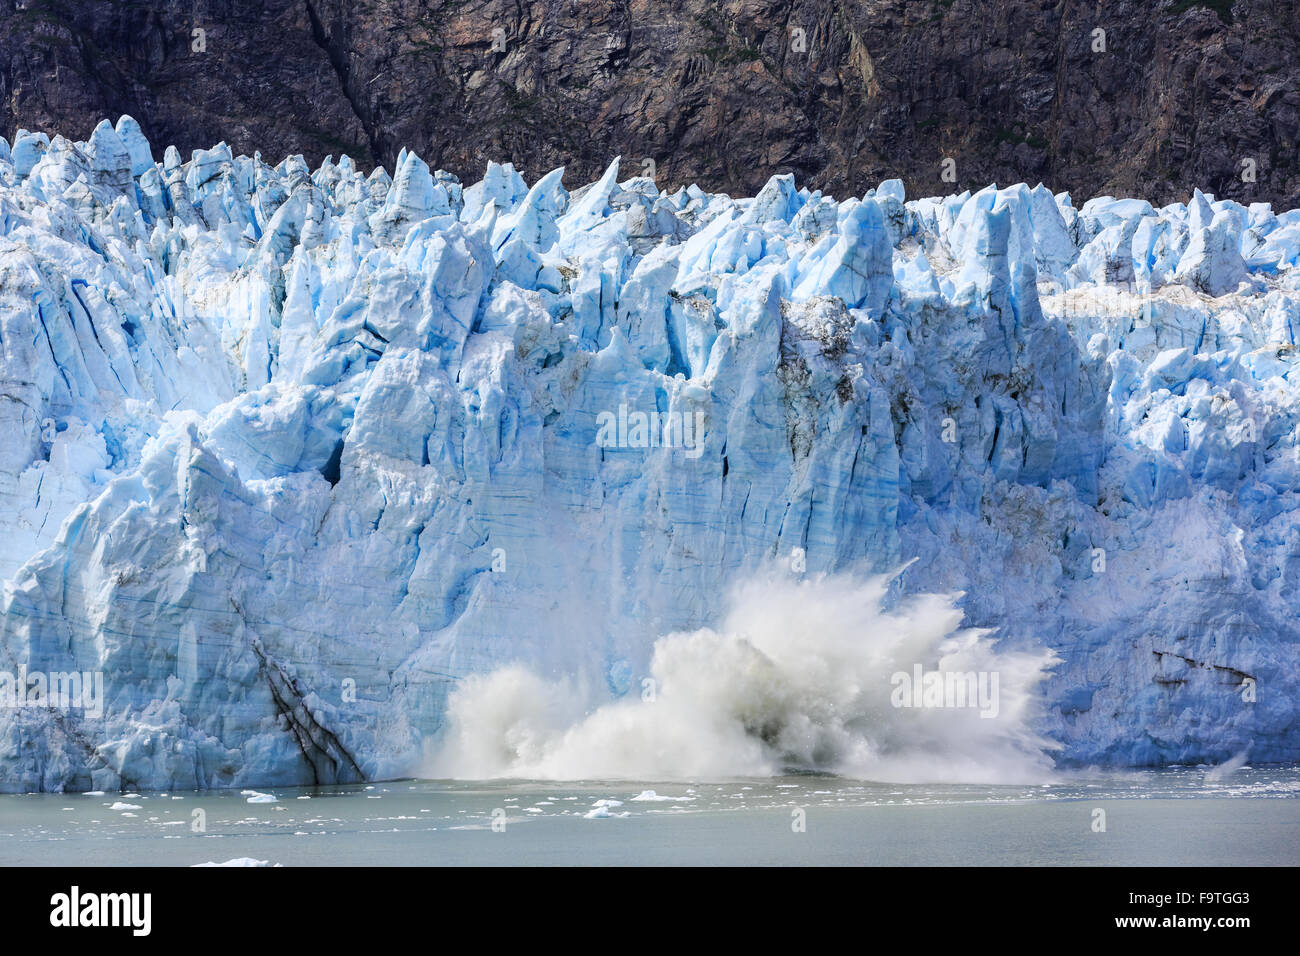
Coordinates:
337 477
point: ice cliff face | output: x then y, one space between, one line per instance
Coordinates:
288 453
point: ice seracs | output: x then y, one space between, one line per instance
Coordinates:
289 452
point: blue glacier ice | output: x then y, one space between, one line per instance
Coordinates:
291 454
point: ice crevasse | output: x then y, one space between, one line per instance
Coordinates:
289 453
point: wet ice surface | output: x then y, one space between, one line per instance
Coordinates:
1177 816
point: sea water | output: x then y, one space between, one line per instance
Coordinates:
1175 816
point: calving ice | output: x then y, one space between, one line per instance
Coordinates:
946 689
796 676
76 909
638 429
297 413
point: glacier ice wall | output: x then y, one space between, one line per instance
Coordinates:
289 453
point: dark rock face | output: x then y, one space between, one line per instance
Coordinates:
844 93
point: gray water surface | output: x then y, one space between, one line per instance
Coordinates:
1168 817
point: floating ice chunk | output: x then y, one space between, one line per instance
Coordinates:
239 861
649 796
603 810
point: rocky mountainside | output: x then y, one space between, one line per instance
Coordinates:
1127 98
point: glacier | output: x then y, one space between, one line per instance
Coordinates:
291 454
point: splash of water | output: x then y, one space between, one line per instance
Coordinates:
1226 769
800 676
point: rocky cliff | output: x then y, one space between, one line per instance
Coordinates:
1126 98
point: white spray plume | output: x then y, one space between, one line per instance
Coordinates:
802 675
1226 769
